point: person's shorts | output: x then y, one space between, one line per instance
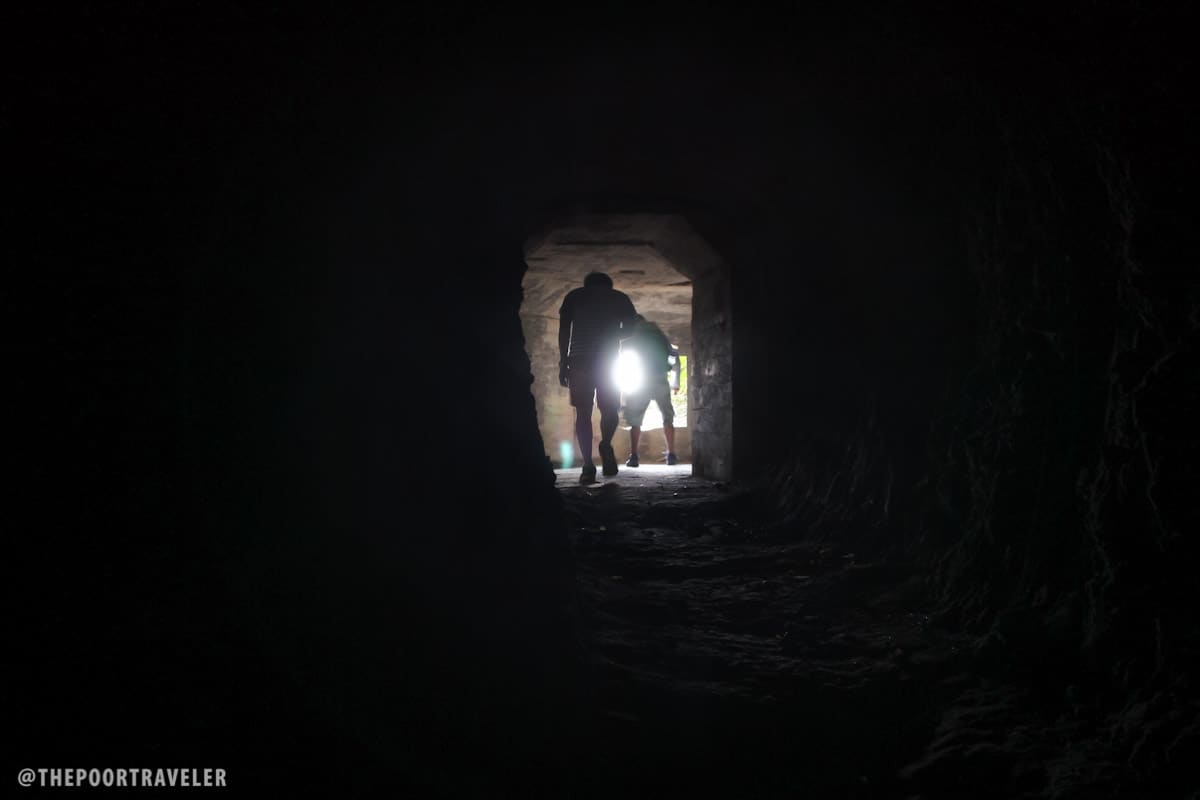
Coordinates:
594 381
658 390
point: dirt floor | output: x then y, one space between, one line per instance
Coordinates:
731 658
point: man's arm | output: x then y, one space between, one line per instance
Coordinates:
566 315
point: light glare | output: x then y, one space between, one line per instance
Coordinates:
627 372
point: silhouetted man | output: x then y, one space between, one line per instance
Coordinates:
590 325
659 358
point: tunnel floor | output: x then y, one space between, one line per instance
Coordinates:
728 656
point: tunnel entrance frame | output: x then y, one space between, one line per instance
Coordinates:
710 388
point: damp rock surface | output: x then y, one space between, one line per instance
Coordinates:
724 651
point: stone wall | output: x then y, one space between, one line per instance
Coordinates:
710 385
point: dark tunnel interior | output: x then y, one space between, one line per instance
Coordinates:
282 505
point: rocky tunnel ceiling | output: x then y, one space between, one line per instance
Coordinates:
636 250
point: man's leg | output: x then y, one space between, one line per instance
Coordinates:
608 428
609 400
583 431
582 392
635 411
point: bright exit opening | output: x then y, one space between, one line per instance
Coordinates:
632 249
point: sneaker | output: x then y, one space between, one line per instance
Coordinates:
633 460
588 475
610 460
671 460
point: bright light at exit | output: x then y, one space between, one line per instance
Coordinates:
566 453
627 372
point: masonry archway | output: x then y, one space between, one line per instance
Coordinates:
676 279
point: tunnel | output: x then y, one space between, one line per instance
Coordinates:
676 280
297 492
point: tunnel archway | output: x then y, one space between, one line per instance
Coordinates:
675 278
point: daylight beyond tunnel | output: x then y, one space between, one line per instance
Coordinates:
665 268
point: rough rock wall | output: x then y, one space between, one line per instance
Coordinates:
1061 460
285 522
1047 491
555 416
710 385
